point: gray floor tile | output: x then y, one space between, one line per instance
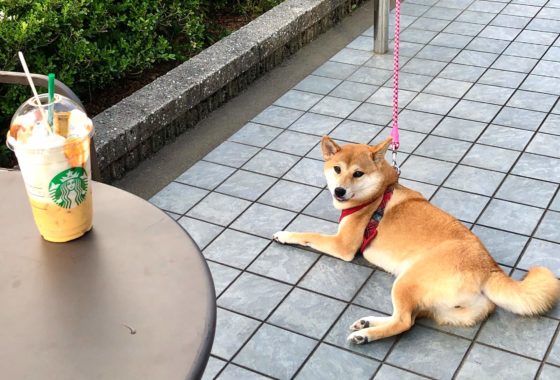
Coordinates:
231 154
294 143
304 223
475 58
222 276
463 206
277 116
488 363
376 294
354 91
409 140
385 61
317 84
335 278
307 313
451 40
372 113
500 33
549 229
263 220
205 174
539 167
355 131
177 198
532 101
283 262
488 45
371 76
281 359
556 203
233 372
201 232
541 253
340 331
444 349
511 21
464 28
502 78
255 134
307 171
412 9
331 363
552 26
335 70
527 191
425 23
232 331
387 372
489 94
522 49
547 68
549 372
246 185
462 72
432 103
448 87
505 215
520 10
545 144
489 157
438 53
505 247
468 109
486 6
504 137
219 209
519 64
549 13
271 163
442 13
536 37
418 121
253 295
352 56
289 195
520 118
338 107
426 190
476 17
474 180
315 124
384 97
299 100
214 366
411 82
361 43
443 148
538 83
554 355
553 54
426 170
235 248
417 35
172 215
423 66
459 129
525 336
322 207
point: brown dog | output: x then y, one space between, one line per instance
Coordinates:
443 270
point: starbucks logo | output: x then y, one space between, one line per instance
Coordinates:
69 188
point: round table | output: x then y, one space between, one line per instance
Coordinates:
132 299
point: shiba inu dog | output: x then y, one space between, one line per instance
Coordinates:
443 271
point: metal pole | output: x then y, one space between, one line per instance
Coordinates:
380 26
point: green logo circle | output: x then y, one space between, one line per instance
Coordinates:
68 188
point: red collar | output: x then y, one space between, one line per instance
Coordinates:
371 229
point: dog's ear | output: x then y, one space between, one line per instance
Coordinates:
378 151
329 147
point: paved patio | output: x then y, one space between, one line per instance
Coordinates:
480 137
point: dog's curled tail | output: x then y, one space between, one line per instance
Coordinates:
533 295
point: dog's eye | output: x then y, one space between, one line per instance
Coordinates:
358 174
337 169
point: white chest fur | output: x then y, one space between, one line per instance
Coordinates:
385 260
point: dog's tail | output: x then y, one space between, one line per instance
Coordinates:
533 295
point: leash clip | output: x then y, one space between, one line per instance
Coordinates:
394 148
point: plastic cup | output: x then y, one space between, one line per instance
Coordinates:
55 165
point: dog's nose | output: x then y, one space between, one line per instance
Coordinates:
339 191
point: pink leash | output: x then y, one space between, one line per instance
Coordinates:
395 130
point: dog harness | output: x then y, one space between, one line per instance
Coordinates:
371 229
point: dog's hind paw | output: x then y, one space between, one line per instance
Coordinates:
359 324
358 338
281 237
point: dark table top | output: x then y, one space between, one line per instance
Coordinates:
65 307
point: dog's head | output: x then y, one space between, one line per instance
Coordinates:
356 173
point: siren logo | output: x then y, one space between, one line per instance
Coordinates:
68 189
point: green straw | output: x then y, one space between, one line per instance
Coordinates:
51 98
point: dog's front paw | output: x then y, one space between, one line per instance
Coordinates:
359 324
282 237
358 337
